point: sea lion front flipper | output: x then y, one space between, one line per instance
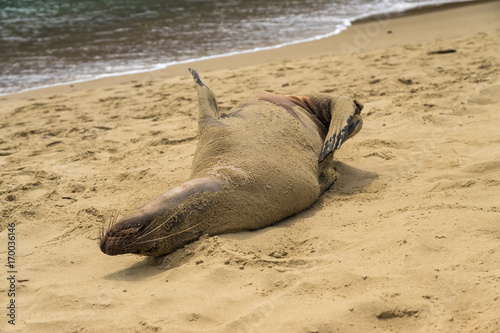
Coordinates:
206 100
345 122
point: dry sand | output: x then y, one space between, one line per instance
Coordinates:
407 240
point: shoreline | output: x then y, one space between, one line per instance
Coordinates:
290 51
429 8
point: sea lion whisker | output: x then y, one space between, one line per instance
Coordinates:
105 226
165 237
119 212
115 215
148 231
101 231
112 221
112 218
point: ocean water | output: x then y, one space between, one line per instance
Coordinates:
49 42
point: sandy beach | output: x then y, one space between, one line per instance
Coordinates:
406 240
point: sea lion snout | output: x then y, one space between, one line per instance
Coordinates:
128 236
118 236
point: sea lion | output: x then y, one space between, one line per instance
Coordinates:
270 157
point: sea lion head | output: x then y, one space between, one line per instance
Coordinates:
163 224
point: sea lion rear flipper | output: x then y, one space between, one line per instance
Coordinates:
206 100
345 122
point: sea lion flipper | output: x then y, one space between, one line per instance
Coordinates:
345 122
206 99
196 77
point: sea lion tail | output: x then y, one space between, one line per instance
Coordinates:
206 100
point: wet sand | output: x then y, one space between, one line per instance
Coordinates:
405 241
